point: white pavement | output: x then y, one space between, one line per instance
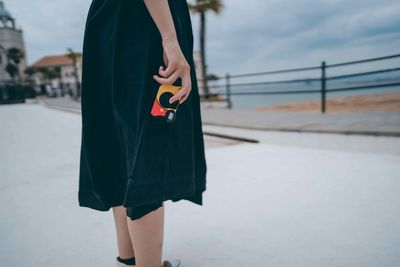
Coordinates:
291 200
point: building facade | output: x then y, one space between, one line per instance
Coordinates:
10 37
56 74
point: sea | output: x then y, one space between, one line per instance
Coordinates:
267 100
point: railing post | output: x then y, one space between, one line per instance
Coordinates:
323 86
228 90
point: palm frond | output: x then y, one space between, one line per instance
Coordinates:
203 6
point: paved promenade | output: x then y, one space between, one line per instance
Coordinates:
372 123
369 123
75 107
291 200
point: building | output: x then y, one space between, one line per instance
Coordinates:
66 80
59 74
10 37
61 78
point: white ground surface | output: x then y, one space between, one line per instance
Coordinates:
291 200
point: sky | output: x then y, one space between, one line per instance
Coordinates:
250 36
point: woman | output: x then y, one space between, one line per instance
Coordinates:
131 161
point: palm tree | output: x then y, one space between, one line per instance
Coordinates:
14 58
74 57
30 71
202 7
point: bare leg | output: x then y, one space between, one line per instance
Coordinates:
147 235
125 248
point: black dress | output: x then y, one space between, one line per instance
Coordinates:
128 157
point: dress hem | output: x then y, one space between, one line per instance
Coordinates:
196 198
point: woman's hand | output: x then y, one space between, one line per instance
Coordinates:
177 67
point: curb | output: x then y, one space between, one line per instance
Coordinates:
298 130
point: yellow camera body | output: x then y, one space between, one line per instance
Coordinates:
161 106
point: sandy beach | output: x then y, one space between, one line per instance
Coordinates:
360 103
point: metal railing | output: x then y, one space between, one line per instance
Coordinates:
323 90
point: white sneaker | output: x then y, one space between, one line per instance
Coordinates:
172 263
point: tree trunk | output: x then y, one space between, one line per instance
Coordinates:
203 54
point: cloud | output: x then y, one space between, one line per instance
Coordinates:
50 27
283 34
247 36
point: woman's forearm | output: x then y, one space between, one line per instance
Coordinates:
174 59
161 15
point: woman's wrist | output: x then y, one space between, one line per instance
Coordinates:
169 37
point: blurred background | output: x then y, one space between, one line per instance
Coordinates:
300 104
257 55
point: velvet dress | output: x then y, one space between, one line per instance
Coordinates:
128 157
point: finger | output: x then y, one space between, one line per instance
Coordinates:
161 68
186 83
186 88
177 96
170 80
176 74
169 70
183 99
185 96
161 71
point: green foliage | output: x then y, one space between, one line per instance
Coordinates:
30 71
12 70
14 58
50 73
15 55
